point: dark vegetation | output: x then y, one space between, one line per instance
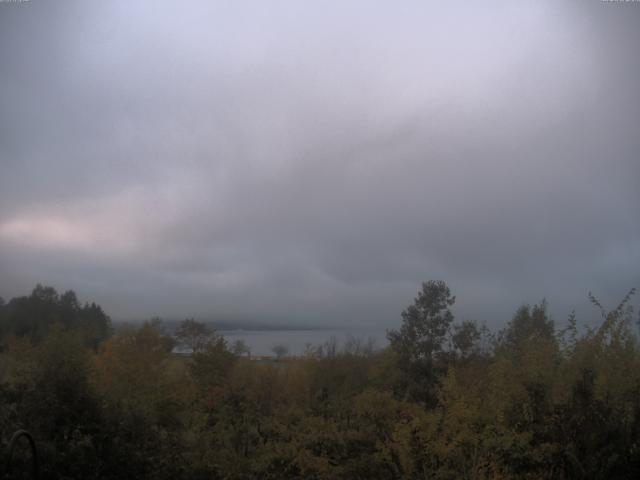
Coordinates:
445 400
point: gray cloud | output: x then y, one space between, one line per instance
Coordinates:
308 164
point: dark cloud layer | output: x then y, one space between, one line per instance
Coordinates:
312 164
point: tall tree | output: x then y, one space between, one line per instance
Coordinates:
419 343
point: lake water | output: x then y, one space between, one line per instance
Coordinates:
262 341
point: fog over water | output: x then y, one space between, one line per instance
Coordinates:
261 342
311 164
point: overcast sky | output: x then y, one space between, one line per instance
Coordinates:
313 162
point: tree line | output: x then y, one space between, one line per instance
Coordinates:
445 399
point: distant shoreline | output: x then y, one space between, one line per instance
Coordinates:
242 326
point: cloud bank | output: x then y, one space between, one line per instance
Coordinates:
312 164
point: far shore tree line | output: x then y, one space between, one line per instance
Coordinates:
445 399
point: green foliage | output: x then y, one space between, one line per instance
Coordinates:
528 325
47 389
439 403
426 323
193 336
210 365
420 342
34 316
143 395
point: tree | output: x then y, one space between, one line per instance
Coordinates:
193 335
466 339
240 348
144 392
61 408
528 324
35 315
94 324
2 319
211 364
426 323
279 351
419 342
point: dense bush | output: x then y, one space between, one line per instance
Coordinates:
443 401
